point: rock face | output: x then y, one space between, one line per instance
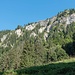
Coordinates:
48 28
44 23
18 32
53 21
70 19
33 34
41 29
3 38
45 36
31 26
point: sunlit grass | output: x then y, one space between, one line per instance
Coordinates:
72 59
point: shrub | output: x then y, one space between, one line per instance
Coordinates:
61 54
10 72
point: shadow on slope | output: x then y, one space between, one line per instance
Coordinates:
51 69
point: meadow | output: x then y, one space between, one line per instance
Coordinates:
64 67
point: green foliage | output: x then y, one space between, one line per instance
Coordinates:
19 27
56 53
10 72
26 58
53 56
61 54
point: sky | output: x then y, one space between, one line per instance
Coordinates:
20 12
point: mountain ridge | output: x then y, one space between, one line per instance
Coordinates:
38 43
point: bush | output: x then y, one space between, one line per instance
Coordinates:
53 56
61 54
10 72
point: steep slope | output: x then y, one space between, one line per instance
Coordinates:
38 43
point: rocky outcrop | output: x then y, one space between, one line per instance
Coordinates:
45 36
41 29
18 32
33 34
31 26
3 38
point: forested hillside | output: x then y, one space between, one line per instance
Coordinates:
38 43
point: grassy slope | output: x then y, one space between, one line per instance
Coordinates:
65 67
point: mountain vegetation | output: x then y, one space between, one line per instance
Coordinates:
37 44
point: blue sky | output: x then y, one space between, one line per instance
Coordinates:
20 12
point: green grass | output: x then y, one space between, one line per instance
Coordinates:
65 67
